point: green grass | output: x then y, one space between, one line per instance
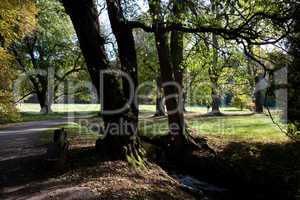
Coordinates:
60 108
31 111
248 128
65 108
36 116
255 128
75 132
26 116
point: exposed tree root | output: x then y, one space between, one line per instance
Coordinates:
116 147
177 147
215 113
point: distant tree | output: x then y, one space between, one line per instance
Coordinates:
149 67
49 55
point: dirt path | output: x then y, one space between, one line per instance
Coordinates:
21 153
24 174
22 140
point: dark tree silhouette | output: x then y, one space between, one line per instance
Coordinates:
120 127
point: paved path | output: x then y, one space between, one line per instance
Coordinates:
22 140
21 154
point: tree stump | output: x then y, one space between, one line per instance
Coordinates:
57 151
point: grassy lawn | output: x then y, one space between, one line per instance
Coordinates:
60 108
67 108
31 111
254 128
32 116
248 128
36 116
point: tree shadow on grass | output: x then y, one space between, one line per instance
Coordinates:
225 114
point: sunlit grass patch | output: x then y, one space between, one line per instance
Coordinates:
248 128
35 108
255 128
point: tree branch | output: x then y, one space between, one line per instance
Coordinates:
26 95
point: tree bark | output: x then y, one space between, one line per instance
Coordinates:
119 137
160 107
259 97
214 70
215 96
127 55
215 107
126 49
293 104
176 46
42 83
42 91
45 105
174 111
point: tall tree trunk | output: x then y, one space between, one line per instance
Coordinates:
215 106
214 78
178 143
43 97
176 46
215 96
174 111
127 55
126 49
160 107
259 96
213 72
293 109
118 137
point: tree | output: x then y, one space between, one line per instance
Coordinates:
120 139
176 122
149 67
16 21
49 55
176 50
293 76
243 29
239 21
214 71
127 55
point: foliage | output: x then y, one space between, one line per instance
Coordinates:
241 101
230 73
50 55
16 20
147 62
